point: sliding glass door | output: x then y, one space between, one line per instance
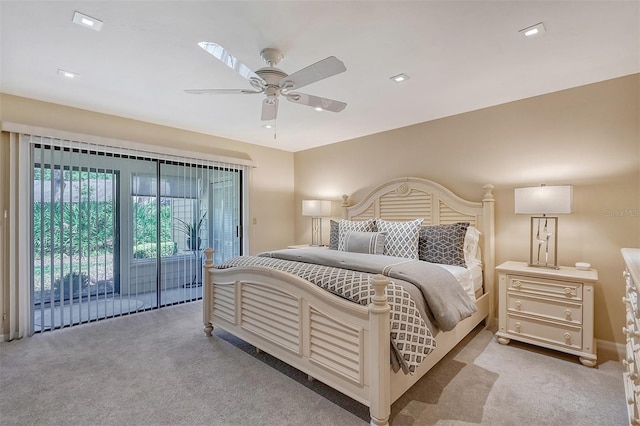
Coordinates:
115 234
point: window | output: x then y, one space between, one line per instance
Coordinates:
115 233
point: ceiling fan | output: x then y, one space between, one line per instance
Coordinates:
274 82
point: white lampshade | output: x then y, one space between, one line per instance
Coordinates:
316 208
544 199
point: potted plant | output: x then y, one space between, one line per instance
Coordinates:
192 231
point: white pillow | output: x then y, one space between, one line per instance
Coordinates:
472 246
402 237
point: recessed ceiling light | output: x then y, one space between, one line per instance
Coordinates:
87 21
400 78
268 126
533 30
67 74
318 109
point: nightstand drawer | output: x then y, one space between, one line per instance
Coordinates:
553 309
545 287
562 335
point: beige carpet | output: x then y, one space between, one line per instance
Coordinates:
158 368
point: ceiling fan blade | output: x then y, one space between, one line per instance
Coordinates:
232 62
320 70
221 91
269 109
316 102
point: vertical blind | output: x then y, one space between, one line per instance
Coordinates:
118 230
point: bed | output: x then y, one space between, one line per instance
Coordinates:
344 344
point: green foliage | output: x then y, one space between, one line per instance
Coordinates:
73 228
148 250
81 229
145 220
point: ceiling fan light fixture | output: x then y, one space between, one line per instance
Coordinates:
399 78
533 30
87 21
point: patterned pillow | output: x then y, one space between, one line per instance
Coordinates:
352 225
402 237
443 243
364 242
333 235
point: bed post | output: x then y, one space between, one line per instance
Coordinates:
489 248
345 204
379 338
206 291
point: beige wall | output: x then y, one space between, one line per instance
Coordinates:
588 137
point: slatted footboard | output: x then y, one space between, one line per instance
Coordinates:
338 342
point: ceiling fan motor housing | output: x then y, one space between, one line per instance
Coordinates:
271 75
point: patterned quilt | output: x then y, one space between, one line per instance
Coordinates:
411 335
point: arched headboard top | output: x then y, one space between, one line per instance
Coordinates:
409 198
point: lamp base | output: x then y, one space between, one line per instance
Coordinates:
544 242
539 265
316 231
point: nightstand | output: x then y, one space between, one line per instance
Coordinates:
552 308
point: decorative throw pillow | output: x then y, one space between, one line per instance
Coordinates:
333 235
443 243
402 237
352 225
364 242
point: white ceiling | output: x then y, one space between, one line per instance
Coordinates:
460 56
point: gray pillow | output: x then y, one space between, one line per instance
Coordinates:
352 225
443 243
364 242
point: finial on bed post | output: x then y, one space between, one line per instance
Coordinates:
488 188
379 338
206 289
345 204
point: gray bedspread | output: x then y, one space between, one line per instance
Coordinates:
423 297
447 303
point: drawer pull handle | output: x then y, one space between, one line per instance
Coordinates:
567 313
518 304
517 324
567 291
517 284
567 337
625 300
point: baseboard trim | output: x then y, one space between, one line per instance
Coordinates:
611 350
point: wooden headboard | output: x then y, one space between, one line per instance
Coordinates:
410 198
